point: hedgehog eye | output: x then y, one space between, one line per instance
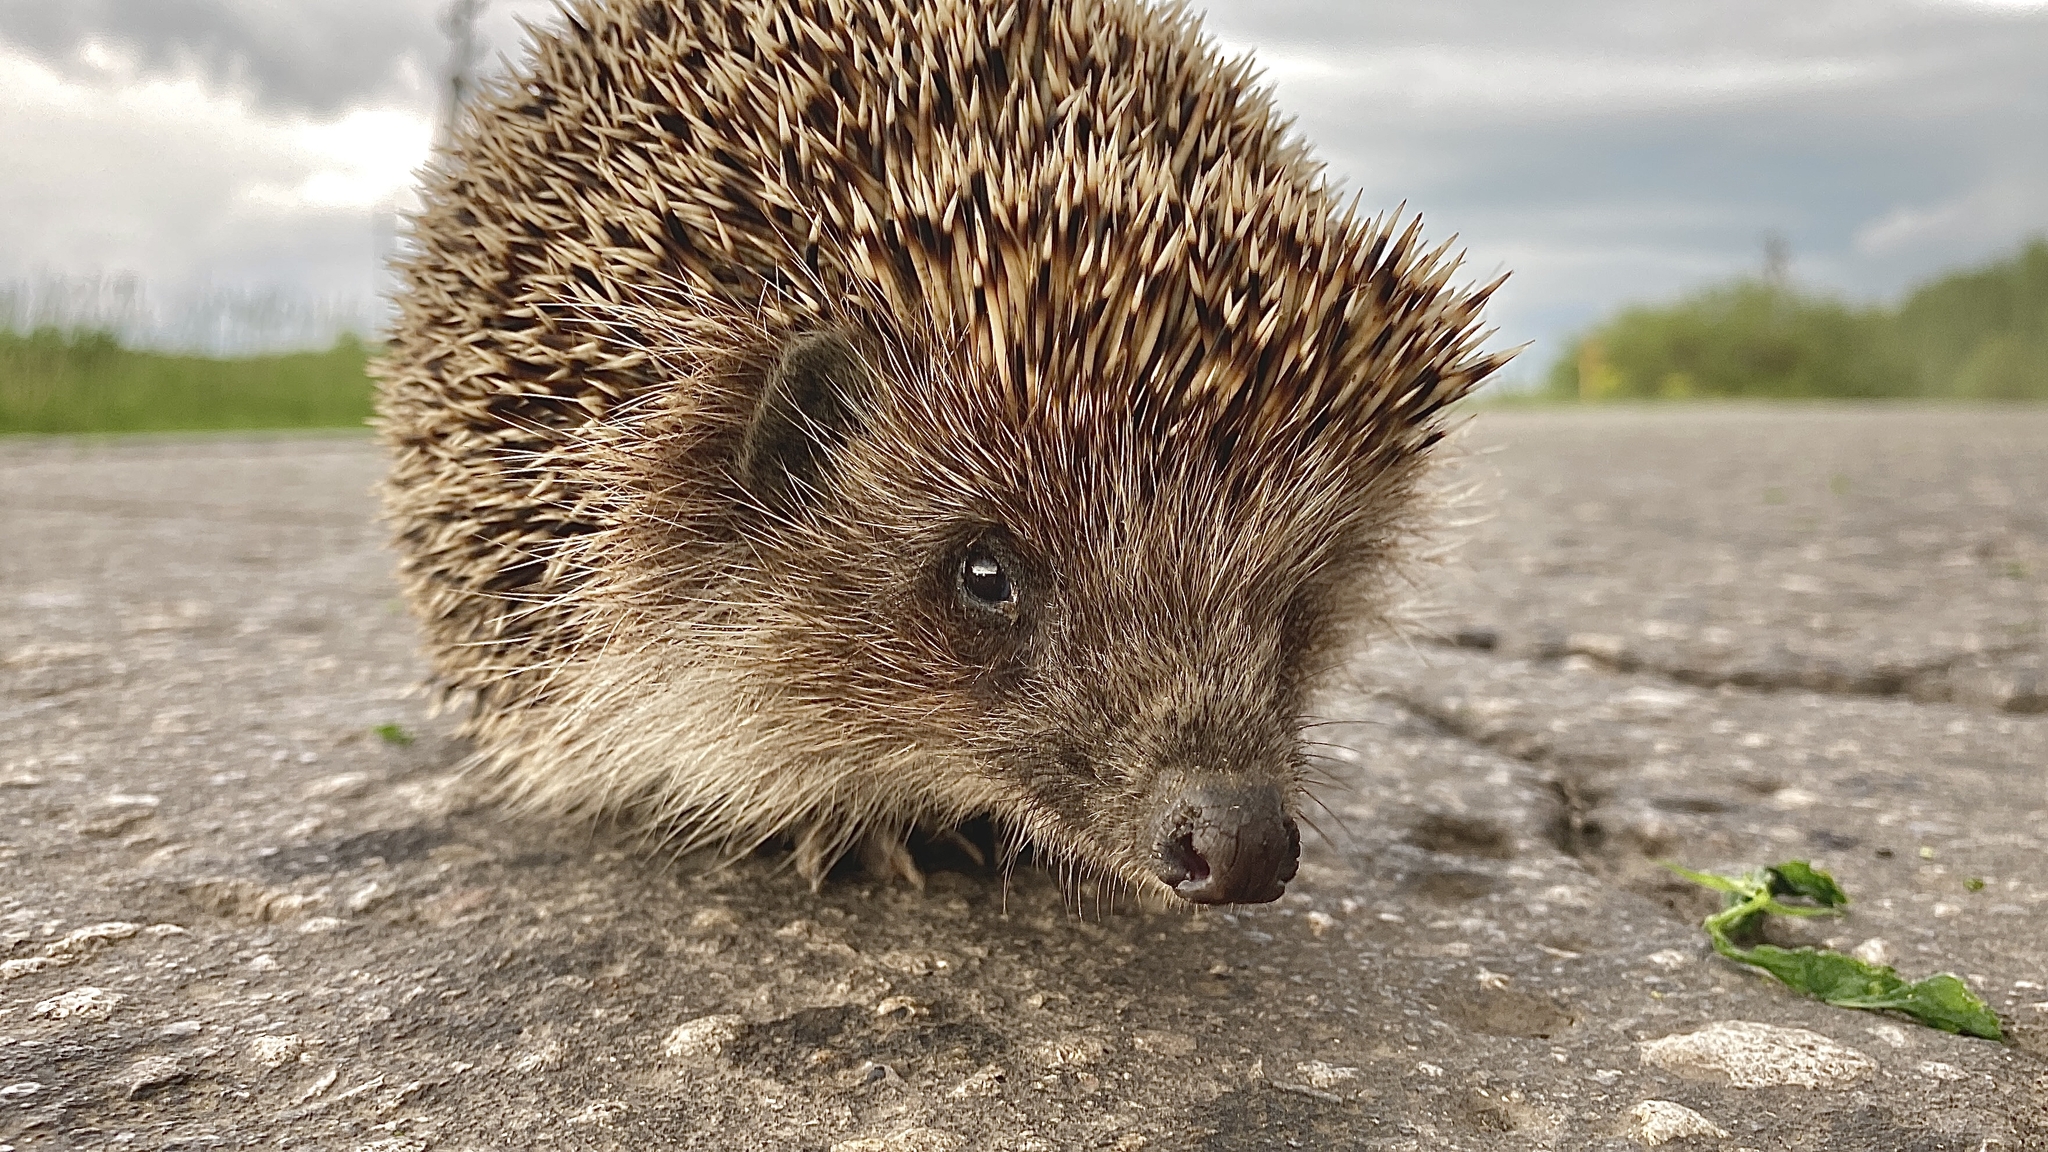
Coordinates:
986 582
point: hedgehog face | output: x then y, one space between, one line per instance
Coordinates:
1143 709
1112 652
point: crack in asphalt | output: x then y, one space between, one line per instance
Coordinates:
1928 682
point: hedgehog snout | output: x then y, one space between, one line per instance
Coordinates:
1225 843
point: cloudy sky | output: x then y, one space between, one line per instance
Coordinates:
1606 152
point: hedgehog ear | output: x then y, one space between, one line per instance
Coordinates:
807 407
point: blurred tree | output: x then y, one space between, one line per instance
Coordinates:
1981 334
1749 338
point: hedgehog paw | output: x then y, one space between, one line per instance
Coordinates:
887 858
958 839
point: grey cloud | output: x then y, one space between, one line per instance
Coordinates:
1614 29
304 56
1607 150
1612 151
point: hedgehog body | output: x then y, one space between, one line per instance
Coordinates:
819 420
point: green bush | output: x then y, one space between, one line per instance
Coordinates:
85 381
1981 334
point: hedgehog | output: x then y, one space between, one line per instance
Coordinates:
821 423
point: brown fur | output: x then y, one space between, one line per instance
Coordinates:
1090 296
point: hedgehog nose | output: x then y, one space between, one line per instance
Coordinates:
1219 844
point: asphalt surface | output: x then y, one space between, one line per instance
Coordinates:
234 915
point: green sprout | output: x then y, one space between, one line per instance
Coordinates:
1940 1001
393 734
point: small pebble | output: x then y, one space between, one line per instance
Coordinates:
152 1072
271 1051
85 1003
1655 1122
1317 1074
704 1036
1753 1055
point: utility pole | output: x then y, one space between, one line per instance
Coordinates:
465 52
1777 259
389 239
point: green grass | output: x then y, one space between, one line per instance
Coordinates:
54 381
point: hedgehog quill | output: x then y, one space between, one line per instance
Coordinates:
814 422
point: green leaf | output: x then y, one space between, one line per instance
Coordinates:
1770 905
1830 976
1798 878
1707 879
1940 1001
393 734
